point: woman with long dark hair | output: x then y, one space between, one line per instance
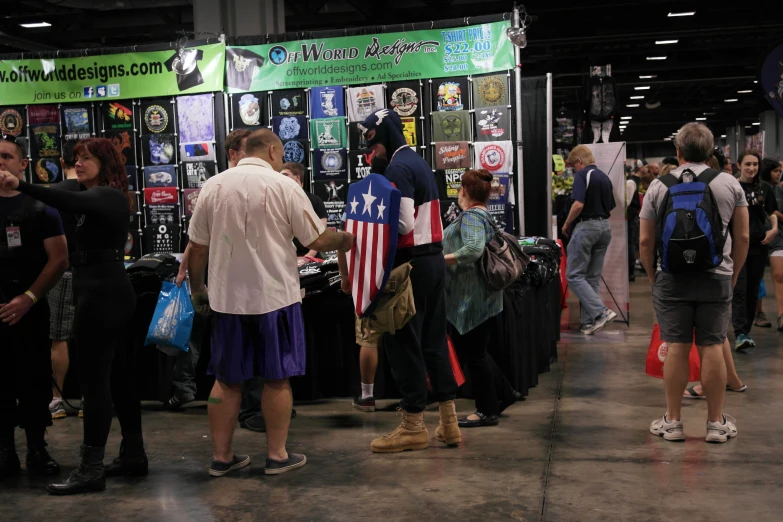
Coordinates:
770 172
763 230
104 302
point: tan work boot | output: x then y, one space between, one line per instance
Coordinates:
448 429
411 434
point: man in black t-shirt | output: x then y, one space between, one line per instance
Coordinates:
296 172
593 203
33 256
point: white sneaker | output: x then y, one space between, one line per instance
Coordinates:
722 431
605 318
668 430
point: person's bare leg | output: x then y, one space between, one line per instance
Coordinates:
675 378
713 379
777 276
59 365
732 378
223 410
368 363
276 403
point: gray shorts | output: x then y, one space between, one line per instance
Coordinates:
692 303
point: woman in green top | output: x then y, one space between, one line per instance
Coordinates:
471 305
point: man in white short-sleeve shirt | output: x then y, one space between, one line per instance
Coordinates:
244 224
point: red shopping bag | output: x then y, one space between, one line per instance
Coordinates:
657 352
456 369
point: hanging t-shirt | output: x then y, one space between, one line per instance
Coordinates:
289 103
247 110
451 126
45 140
117 115
290 127
241 65
493 124
156 115
490 91
452 155
404 98
326 102
328 133
12 121
184 63
296 151
329 164
363 101
450 94
495 156
77 121
410 129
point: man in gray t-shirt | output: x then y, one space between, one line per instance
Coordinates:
696 306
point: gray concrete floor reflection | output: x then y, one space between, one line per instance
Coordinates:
578 449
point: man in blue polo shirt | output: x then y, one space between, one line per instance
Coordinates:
593 203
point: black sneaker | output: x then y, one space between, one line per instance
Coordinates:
367 404
255 423
218 468
276 467
178 402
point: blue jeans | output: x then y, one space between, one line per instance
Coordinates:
586 252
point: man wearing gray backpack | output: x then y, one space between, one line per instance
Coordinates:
593 203
686 215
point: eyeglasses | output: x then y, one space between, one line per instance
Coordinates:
8 137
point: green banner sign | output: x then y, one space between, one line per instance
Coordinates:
128 75
432 53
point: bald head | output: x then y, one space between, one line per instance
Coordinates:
265 144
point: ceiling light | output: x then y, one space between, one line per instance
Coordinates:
632 105
731 100
648 77
744 92
755 81
665 42
722 135
756 123
689 13
667 139
626 117
701 119
36 24
642 88
656 57
637 97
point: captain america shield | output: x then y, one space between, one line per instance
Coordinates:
372 215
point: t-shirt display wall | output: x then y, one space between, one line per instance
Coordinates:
167 145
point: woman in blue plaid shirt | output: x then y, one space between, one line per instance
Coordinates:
471 305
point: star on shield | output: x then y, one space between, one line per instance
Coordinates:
354 203
381 208
368 200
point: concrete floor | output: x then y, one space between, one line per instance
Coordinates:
577 450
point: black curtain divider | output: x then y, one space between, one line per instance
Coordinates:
534 152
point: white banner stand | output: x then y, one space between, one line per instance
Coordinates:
615 292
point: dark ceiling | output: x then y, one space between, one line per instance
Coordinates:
717 53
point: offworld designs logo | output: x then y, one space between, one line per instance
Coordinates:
399 49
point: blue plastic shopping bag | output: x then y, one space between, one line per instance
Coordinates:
172 321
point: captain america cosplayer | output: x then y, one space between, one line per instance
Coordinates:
419 349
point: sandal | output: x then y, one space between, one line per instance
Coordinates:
690 393
741 389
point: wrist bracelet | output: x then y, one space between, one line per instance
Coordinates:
31 296
343 275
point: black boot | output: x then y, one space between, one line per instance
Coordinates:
89 476
9 460
132 461
38 461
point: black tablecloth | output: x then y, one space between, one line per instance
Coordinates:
525 345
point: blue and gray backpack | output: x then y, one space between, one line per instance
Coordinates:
690 233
